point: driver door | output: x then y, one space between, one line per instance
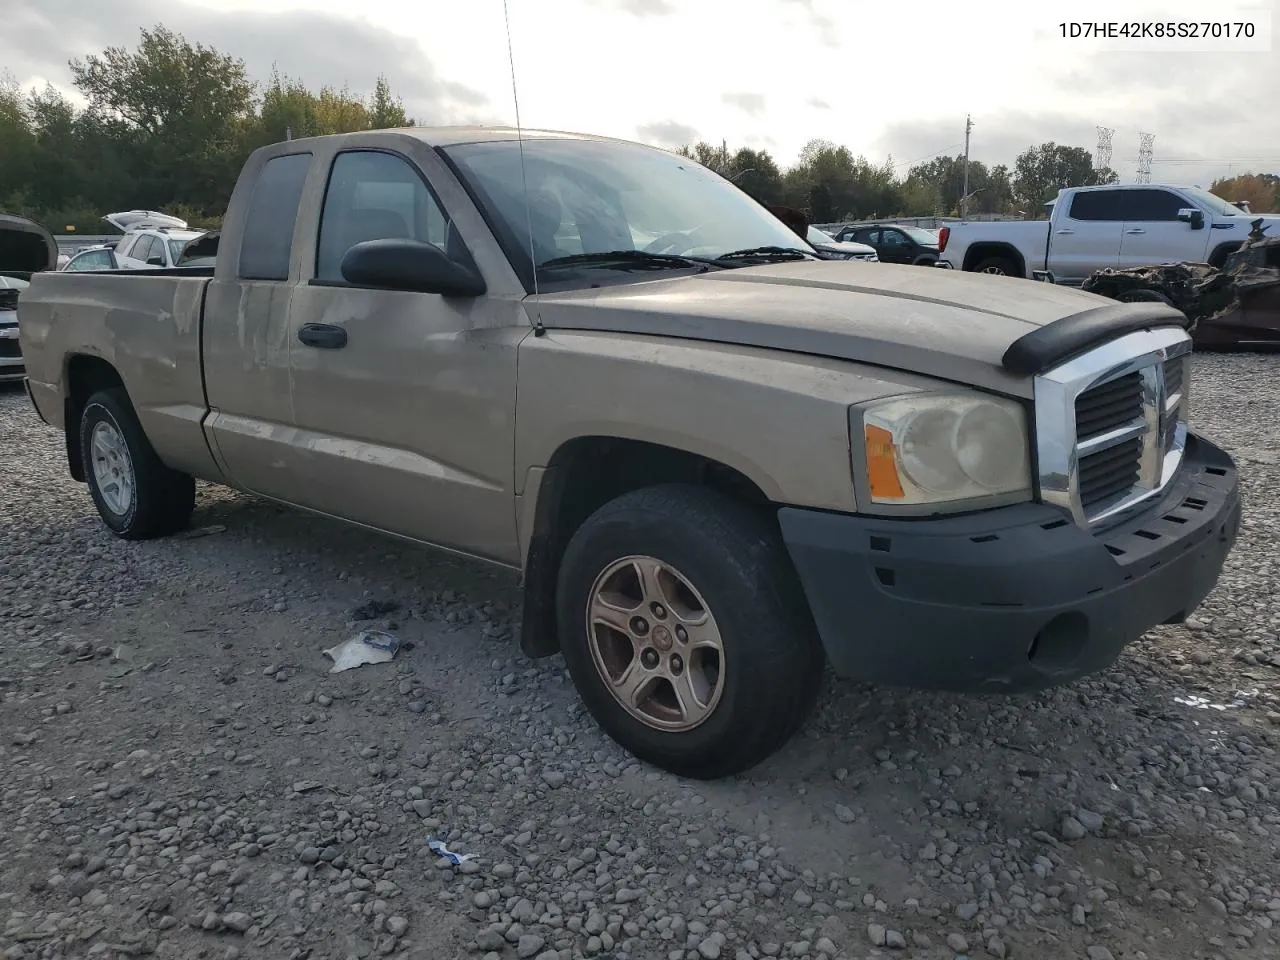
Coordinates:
894 246
405 408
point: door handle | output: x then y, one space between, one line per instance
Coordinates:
323 335
1135 230
1061 232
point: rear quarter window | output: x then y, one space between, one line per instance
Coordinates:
266 243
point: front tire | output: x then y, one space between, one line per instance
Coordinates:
997 266
137 496
686 632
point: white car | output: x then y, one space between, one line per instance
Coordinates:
150 239
829 248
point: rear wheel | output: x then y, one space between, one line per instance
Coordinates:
685 630
137 496
999 266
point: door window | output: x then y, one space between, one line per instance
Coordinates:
142 247
1153 205
93 260
375 196
1098 205
893 239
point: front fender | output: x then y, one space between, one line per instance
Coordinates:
780 419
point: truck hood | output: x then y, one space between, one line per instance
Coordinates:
938 323
26 247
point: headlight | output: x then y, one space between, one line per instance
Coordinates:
935 448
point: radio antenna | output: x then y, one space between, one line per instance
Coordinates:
524 180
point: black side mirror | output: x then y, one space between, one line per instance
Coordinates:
155 261
1193 217
409 265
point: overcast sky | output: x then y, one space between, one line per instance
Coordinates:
884 78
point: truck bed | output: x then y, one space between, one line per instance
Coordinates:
144 323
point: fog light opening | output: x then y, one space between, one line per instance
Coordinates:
1060 642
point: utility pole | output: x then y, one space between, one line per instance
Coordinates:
964 190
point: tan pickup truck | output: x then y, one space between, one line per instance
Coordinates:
719 461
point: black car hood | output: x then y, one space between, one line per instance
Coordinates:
26 247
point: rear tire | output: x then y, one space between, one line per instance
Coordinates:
998 266
137 496
718 568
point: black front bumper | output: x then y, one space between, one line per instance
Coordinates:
1012 599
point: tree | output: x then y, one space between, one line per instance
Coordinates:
756 172
939 183
1261 191
1040 172
385 110
185 101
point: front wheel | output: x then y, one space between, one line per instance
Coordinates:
137 496
686 632
997 266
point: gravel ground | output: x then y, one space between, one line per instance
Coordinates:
180 776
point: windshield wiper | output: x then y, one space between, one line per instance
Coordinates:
628 259
768 253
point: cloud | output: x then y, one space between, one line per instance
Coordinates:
668 133
822 25
317 48
818 103
639 8
1203 93
752 103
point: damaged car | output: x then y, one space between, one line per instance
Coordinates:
1237 306
25 248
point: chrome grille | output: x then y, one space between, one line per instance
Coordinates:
1111 407
1111 424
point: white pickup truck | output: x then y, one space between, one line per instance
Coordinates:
1091 228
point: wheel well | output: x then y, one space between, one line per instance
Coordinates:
981 251
582 476
85 376
1221 252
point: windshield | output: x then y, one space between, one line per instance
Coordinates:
926 237
1213 203
588 196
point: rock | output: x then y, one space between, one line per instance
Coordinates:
877 934
958 942
844 814
396 926
1089 820
1071 829
1097 952
237 922
529 945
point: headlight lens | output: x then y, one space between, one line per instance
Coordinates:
935 448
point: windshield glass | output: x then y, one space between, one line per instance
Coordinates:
1213 203
927 237
589 196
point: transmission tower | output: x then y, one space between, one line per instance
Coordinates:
1102 157
1145 145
